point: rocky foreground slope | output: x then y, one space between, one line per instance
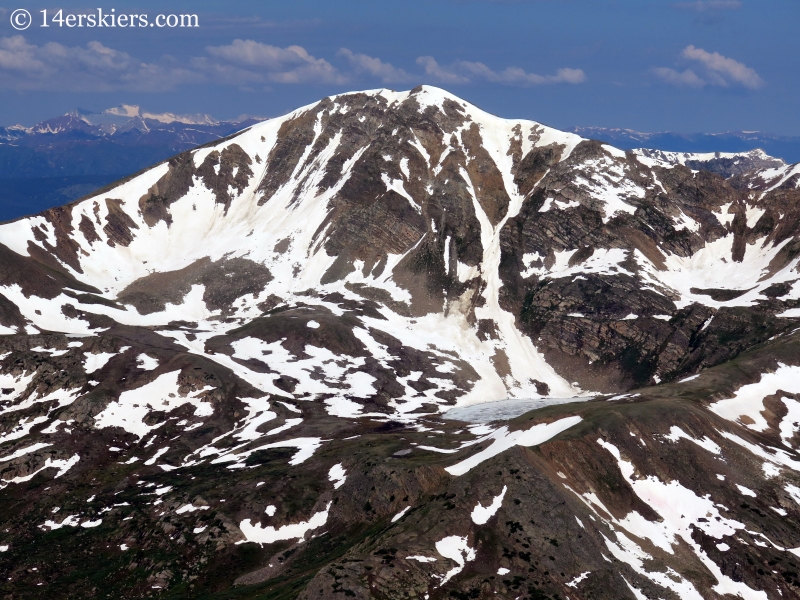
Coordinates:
224 377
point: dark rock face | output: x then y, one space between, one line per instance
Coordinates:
224 376
119 225
223 281
225 170
154 206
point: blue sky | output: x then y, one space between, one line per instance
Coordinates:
685 66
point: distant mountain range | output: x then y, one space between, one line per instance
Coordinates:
66 157
785 147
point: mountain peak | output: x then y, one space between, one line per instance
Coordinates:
236 368
124 110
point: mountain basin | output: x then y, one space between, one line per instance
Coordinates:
504 410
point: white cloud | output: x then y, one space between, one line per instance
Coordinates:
709 5
686 78
464 71
247 61
439 73
96 67
375 67
90 68
715 70
727 69
517 76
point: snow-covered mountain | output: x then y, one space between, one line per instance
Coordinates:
132 110
111 121
785 146
296 306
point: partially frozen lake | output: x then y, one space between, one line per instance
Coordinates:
503 410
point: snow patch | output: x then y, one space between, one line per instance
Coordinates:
748 401
337 475
502 440
458 550
297 531
144 362
401 514
133 406
481 514
95 362
676 433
